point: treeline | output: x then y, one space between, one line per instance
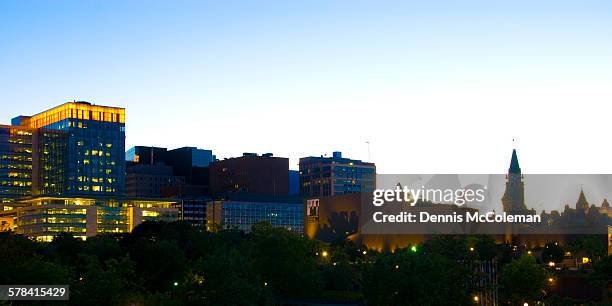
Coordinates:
175 264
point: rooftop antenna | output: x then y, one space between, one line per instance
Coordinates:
369 156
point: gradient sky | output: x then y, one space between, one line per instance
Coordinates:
435 87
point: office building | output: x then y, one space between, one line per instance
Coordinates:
181 174
193 210
190 163
43 217
145 180
63 170
78 150
184 158
15 162
242 214
336 175
146 155
294 182
250 174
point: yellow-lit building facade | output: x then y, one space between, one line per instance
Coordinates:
76 148
43 217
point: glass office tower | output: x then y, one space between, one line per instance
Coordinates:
80 149
15 162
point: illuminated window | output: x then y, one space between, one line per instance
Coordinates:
148 213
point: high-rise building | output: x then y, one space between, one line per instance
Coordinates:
63 170
15 162
336 175
250 174
79 149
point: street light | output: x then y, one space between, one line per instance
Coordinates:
324 254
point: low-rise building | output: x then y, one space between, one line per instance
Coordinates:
242 214
43 217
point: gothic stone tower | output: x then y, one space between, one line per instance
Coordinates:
514 196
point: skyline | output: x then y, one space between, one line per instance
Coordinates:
218 69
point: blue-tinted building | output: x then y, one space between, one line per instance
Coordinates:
15 162
79 149
146 155
242 215
336 175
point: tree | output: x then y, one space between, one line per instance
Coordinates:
485 247
592 246
552 252
160 264
522 281
227 277
65 249
116 277
450 246
21 263
411 278
602 274
284 260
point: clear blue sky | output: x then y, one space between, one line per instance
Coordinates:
435 86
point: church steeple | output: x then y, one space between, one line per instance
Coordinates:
582 203
514 164
514 196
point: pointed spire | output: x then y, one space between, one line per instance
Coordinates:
582 202
514 164
605 204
